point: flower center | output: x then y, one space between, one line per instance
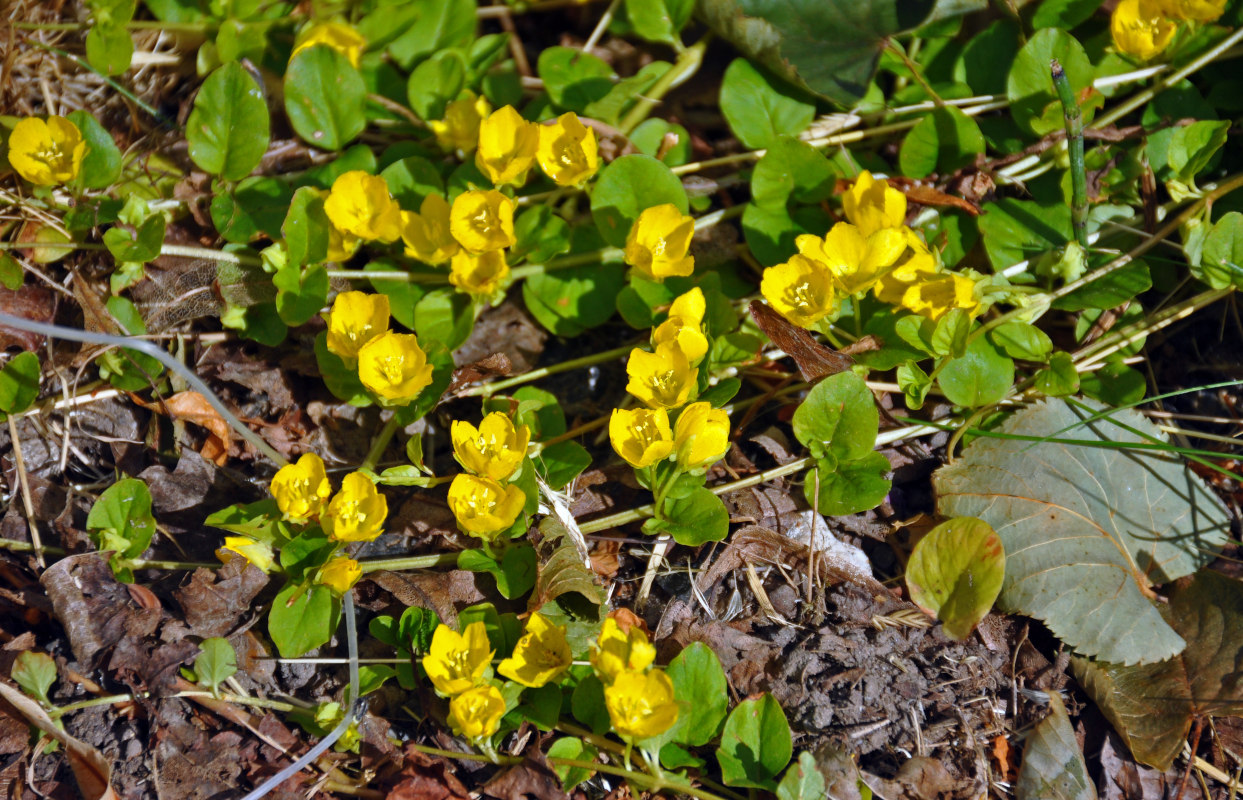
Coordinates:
393 368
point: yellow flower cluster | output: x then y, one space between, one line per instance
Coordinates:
46 152
459 665
638 696
873 251
1143 29
664 381
392 366
481 499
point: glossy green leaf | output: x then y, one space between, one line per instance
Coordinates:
216 662
667 141
228 128
1022 340
802 781
1020 230
1029 86
19 383
324 98
1193 146
1221 263
417 28
628 186
256 207
571 749
943 141
696 518
411 179
300 292
436 82
574 79
121 521
1115 384
35 673
955 573
569 301
541 235
444 315
302 618
703 695
980 376
837 488
758 110
792 170
1060 378
101 165
306 227
341 380
1111 290
109 48
838 416
755 744
659 20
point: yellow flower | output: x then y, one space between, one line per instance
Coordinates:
457 661
1198 10
663 379
476 713
567 150
459 130
658 242
46 153
507 145
685 326
540 655
1140 28
356 318
920 265
801 290
482 274
357 512
701 436
936 296
426 233
641 705
360 205
855 262
641 436
341 246
340 574
257 553
493 450
301 489
872 205
484 507
619 651
394 367
482 220
337 35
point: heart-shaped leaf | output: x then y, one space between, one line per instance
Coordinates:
955 572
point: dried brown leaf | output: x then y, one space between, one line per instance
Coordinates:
213 602
91 770
193 407
813 359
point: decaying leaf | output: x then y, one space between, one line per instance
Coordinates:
193 407
1053 766
814 360
1088 528
91 770
561 568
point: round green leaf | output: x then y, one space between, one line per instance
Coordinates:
628 186
124 512
306 227
1060 378
1022 340
1221 263
102 163
341 380
757 109
942 141
1029 86
411 179
444 315
403 296
228 128
569 301
981 376
109 48
955 573
653 135
839 416
755 744
302 618
216 662
574 79
848 487
792 169
300 293
696 518
257 206
700 688
19 383
324 97
435 83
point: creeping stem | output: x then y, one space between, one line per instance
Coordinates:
1074 140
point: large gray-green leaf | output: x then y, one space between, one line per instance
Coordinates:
1152 706
829 47
1088 528
1053 767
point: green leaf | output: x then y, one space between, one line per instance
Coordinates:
628 186
943 141
515 572
561 463
574 79
302 618
1022 340
1193 146
1064 14
770 231
792 169
1152 706
699 685
914 383
588 707
256 207
101 165
757 109
19 383
300 293
228 127
838 416
305 553
659 138
216 662
306 227
324 97
341 380
697 518
143 245
1060 378
802 781
987 56
1087 529
981 376
1115 384
755 744
444 315
848 487
419 28
541 235
571 749
1029 86
12 276
435 83
411 179
35 673
637 303
403 296
109 48
569 301
1019 230
1053 766
1221 264
949 334
259 520
121 521
659 20
1111 290
955 573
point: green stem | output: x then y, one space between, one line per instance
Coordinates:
489 389
142 563
60 711
916 72
687 65
1074 140
210 254
408 562
380 442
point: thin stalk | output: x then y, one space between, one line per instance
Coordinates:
408 562
687 65
380 443
210 254
1074 138
489 389
915 71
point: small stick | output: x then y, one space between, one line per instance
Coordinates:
27 503
1074 140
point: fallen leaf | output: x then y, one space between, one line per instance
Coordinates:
496 365
931 196
95 609
813 359
561 568
193 407
91 770
427 777
532 779
213 602
32 302
1053 766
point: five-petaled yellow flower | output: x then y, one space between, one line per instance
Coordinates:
257 553
1198 10
540 655
507 145
659 241
918 265
483 507
937 295
619 651
641 704
357 512
1140 28
456 661
482 220
356 318
481 274
301 489
426 233
684 327
663 379
394 368
337 35
476 713
360 205
856 262
459 130
46 153
641 435
567 150
801 290
340 574
873 205
700 436
493 450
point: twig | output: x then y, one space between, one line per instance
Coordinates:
27 503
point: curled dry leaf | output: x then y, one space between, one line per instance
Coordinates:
91 770
193 407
